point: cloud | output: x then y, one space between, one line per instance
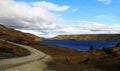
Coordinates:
50 6
95 27
82 27
18 13
74 10
40 21
105 1
25 16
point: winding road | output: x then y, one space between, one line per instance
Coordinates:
35 55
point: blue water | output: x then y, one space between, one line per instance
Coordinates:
80 44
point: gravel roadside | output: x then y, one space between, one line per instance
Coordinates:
38 65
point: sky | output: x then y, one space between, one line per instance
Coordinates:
48 18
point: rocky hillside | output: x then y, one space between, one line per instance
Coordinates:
17 36
109 37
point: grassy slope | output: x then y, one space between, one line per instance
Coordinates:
17 36
9 51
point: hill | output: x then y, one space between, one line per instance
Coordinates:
17 36
108 37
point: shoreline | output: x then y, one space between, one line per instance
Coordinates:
71 60
85 44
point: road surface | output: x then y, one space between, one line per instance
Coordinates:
21 63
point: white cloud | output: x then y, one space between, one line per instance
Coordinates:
24 16
74 10
105 1
87 27
16 13
50 6
39 20
84 27
96 27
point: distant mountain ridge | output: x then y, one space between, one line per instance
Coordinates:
108 37
17 36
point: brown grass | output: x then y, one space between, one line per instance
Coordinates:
67 59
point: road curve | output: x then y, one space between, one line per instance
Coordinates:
35 55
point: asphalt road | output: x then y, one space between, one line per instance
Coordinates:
14 62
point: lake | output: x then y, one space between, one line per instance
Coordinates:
80 44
